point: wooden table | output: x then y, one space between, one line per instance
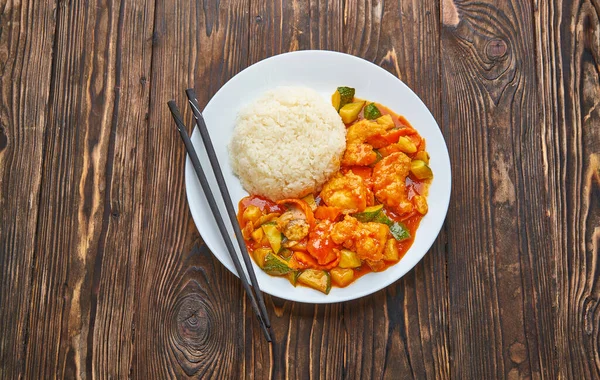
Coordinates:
103 273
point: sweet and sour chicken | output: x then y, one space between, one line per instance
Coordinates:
362 220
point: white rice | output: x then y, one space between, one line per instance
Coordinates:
287 143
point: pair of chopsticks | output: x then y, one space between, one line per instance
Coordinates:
259 307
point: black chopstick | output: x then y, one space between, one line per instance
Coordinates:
215 210
214 162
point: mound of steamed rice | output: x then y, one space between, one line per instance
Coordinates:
287 143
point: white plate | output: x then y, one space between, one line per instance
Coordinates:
323 71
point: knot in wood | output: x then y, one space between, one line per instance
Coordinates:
193 319
496 49
517 352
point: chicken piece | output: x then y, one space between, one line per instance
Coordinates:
366 239
293 224
285 218
363 130
389 182
296 230
347 192
359 154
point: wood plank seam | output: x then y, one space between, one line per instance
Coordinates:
147 80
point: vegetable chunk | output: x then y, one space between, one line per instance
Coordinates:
275 265
390 253
274 236
336 100
371 111
350 111
348 259
316 279
386 121
420 169
342 277
346 95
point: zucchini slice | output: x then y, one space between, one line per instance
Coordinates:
274 236
316 279
275 265
293 277
376 214
420 169
260 254
397 229
346 95
368 214
372 112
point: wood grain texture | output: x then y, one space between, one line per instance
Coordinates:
26 39
71 207
102 270
500 278
188 308
114 278
568 42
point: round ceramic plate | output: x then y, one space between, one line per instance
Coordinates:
322 71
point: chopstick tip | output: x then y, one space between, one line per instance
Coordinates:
175 113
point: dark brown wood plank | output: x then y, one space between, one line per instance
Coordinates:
71 207
401 330
569 73
188 307
112 329
26 39
77 329
500 260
